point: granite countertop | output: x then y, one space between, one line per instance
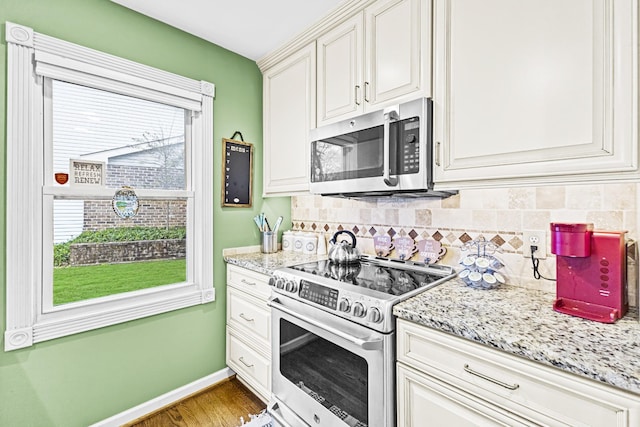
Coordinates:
522 322
252 259
516 320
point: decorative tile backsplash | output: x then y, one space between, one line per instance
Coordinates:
498 215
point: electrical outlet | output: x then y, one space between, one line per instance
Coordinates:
534 238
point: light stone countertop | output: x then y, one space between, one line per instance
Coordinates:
252 259
522 322
516 320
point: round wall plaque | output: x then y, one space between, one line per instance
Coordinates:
125 203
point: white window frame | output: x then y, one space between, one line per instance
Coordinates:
32 57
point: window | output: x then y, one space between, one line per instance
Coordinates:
109 190
142 145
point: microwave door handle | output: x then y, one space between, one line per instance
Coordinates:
365 344
388 117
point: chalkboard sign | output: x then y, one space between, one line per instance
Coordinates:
237 173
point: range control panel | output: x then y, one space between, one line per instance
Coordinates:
349 305
319 294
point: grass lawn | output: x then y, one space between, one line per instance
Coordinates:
71 284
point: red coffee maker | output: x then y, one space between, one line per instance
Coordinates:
591 272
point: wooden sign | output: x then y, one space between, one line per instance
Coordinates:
87 172
237 173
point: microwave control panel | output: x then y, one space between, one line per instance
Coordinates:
407 148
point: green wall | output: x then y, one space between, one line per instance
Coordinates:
82 379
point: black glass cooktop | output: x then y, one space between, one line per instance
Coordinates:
370 273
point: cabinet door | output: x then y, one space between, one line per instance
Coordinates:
289 114
398 54
537 91
249 281
543 394
340 57
250 315
425 401
251 366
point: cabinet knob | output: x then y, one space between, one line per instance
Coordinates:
248 365
245 318
468 369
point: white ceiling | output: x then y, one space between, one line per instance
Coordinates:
251 28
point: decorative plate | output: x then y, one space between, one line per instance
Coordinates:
125 203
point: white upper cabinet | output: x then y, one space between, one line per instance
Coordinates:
380 56
340 72
288 114
398 51
537 91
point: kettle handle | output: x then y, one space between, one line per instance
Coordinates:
334 239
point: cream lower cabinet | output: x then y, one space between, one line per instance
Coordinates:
535 91
289 110
249 329
446 380
426 401
378 56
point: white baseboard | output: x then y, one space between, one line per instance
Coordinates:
164 400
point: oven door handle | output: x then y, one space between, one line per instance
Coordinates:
364 343
392 115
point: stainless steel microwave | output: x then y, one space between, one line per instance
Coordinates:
386 152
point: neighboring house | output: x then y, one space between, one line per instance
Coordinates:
157 163
135 166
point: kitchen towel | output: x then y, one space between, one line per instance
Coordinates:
260 420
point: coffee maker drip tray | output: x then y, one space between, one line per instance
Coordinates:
586 310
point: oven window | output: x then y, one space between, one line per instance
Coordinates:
333 376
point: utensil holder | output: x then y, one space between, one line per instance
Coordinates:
268 242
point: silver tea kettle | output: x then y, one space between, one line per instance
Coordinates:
343 252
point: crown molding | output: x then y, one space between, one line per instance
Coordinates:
333 18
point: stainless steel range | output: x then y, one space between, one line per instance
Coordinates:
333 333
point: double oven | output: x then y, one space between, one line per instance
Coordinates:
333 335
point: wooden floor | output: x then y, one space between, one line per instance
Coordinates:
221 405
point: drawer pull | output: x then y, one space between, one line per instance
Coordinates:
246 282
245 363
246 318
488 378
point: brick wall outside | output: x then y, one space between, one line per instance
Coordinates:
144 177
99 215
116 252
